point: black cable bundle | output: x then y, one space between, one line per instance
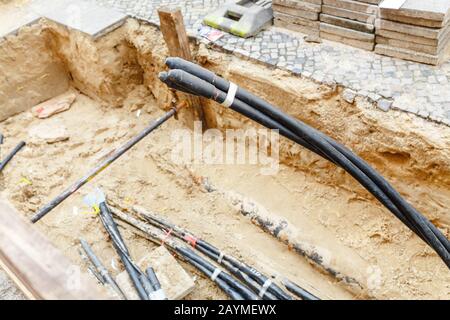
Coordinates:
191 78
254 279
231 286
137 277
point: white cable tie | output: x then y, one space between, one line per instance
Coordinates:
216 274
264 288
221 256
231 95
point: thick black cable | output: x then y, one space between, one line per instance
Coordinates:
243 290
261 118
414 221
118 243
247 274
186 254
275 113
231 292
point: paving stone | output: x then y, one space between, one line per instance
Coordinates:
85 16
296 20
384 104
296 27
412 30
8 290
409 45
393 16
347 23
310 15
349 95
353 15
351 42
407 54
346 33
352 5
299 5
437 10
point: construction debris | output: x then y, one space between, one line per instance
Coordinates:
52 131
53 106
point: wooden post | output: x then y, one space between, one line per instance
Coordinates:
40 270
177 41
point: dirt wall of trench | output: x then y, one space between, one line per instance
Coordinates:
30 72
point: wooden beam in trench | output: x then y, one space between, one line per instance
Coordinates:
177 41
40 270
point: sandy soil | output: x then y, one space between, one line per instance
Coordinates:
116 76
146 176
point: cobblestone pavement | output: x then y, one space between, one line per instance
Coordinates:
392 83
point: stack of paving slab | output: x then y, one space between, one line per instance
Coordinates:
297 15
418 30
350 22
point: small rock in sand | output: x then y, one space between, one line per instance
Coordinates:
49 131
55 105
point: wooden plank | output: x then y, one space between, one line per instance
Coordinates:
40 270
177 41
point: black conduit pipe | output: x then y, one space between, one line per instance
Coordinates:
11 154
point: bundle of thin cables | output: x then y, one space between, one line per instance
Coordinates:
190 78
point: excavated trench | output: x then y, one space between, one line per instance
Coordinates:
352 246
